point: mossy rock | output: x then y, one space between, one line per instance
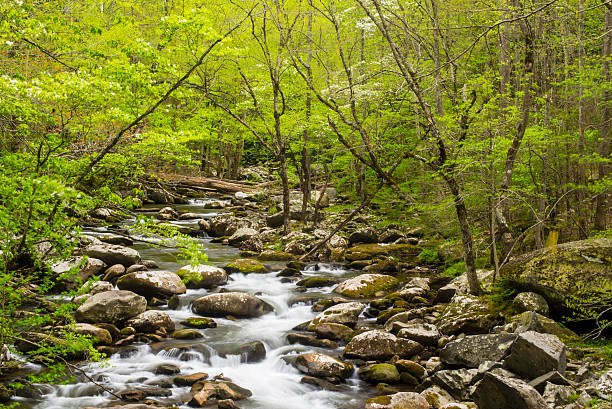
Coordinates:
408 253
245 266
316 282
376 373
199 322
569 275
187 334
385 315
275 255
367 285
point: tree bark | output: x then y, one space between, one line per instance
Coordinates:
603 169
502 210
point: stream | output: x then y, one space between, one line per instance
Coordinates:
274 382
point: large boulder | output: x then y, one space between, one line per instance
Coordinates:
529 301
151 321
578 272
500 392
400 400
233 303
404 252
323 366
74 271
455 381
366 235
534 354
227 224
345 313
111 254
366 285
245 266
423 333
162 284
240 235
467 314
112 307
379 345
473 350
99 335
532 321
202 276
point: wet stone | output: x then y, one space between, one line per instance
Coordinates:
167 369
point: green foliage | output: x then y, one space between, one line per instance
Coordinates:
428 256
455 270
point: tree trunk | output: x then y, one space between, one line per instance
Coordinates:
502 210
603 169
305 163
582 209
466 236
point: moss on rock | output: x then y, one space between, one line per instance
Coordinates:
245 266
367 285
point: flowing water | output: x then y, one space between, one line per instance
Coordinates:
274 382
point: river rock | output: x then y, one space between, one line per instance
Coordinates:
366 285
423 333
604 385
437 397
189 380
202 276
99 335
151 321
112 307
199 322
377 373
187 333
333 331
275 255
227 224
232 303
534 354
167 213
411 367
467 314
500 392
100 287
365 235
379 345
345 314
304 339
203 392
67 279
250 352
455 381
245 266
113 272
323 366
529 301
573 270
473 350
532 321
400 400
160 284
404 252
242 234
111 254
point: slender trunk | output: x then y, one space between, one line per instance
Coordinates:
436 37
466 235
502 210
603 169
582 212
306 173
